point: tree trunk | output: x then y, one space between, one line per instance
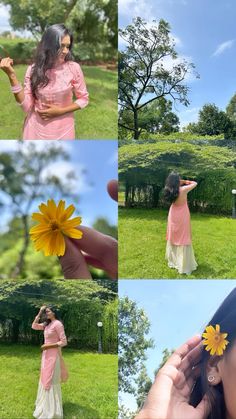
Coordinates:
155 198
15 330
18 270
136 130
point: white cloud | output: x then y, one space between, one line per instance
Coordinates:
223 47
133 8
188 115
4 12
169 62
61 169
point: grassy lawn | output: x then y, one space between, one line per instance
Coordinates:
97 121
90 392
142 245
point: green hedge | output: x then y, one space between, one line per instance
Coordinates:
81 305
143 169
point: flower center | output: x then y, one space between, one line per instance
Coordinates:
54 225
217 338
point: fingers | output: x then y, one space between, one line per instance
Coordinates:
191 359
112 188
45 115
6 62
101 247
73 263
177 357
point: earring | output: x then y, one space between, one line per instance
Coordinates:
211 378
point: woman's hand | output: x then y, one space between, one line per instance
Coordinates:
49 346
95 248
6 66
42 309
169 396
50 112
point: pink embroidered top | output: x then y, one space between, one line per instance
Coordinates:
65 80
53 333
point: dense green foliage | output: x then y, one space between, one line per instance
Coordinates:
81 305
98 120
93 23
144 76
212 121
133 329
156 117
90 392
144 168
142 252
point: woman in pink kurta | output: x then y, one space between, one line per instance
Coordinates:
49 86
53 370
179 250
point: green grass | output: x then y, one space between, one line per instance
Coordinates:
97 121
142 245
90 392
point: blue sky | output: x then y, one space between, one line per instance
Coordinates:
177 310
98 159
205 33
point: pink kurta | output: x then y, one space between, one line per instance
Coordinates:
179 227
65 80
53 333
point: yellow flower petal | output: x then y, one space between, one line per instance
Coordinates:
215 341
73 233
54 223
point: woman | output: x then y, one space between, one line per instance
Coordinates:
53 370
193 384
47 96
179 250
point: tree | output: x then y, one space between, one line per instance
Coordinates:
144 384
81 305
23 181
231 108
101 224
34 16
133 329
156 117
149 69
93 22
143 169
211 121
231 113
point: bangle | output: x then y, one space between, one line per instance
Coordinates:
17 88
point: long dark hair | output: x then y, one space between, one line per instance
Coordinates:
47 54
55 311
225 316
171 190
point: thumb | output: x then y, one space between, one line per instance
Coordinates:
204 408
73 263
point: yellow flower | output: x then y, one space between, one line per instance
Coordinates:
214 340
54 224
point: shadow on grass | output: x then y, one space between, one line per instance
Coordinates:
150 213
76 411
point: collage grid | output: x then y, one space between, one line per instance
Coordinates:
118 209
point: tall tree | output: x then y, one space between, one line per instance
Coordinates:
156 117
149 69
231 108
24 180
93 22
211 121
133 329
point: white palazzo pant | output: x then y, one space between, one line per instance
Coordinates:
48 403
181 258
